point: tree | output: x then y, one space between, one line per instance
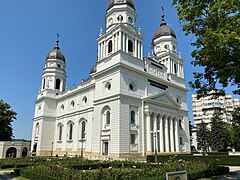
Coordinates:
216 26
202 136
7 116
235 134
216 139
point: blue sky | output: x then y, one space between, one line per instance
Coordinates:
27 34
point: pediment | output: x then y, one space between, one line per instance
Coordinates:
163 98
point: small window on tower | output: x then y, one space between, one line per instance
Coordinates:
72 104
44 83
110 46
175 68
58 82
130 46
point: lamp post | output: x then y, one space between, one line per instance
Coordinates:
52 149
82 148
155 146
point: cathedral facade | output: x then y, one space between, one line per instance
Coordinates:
129 105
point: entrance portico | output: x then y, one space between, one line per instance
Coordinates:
162 123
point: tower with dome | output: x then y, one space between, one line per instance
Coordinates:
130 106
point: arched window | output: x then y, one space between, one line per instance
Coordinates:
72 104
70 131
60 128
37 129
130 46
108 117
24 152
133 118
110 46
11 152
83 130
62 107
58 82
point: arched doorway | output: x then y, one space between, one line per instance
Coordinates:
11 152
24 152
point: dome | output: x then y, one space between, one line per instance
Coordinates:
111 3
56 53
164 30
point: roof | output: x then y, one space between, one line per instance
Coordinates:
164 30
56 53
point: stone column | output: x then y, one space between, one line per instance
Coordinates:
114 44
155 144
177 135
99 52
141 51
166 134
171 120
148 131
161 133
120 41
126 43
103 46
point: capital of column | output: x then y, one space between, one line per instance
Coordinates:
148 113
166 116
155 114
160 115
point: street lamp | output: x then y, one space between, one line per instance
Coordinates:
82 147
155 146
52 149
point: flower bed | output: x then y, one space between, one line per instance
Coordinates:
122 170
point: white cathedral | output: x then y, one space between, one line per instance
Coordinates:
129 106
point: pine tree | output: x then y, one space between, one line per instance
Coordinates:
7 116
216 135
202 136
236 129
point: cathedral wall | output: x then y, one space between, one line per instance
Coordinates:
49 107
127 104
136 80
47 133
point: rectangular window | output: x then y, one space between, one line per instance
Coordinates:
133 139
180 123
181 142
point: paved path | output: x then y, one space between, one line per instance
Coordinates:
4 177
234 173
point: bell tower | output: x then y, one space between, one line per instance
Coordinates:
164 48
121 34
54 75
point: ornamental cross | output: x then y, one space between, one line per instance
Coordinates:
58 35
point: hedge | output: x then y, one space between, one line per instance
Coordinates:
218 160
40 172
